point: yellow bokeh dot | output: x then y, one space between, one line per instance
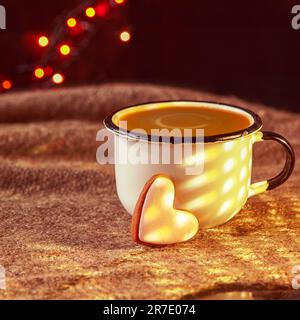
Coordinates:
90 12
65 49
39 73
71 22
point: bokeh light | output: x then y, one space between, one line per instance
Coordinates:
43 41
71 22
6 84
39 73
65 49
58 78
102 9
125 36
90 12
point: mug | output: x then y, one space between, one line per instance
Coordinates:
222 188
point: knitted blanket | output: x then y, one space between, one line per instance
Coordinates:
65 235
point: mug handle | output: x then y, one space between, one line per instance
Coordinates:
285 173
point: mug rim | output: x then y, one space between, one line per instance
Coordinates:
255 126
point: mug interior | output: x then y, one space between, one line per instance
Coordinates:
112 121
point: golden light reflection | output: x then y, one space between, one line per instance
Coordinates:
160 182
257 137
194 159
258 187
243 173
242 193
168 199
161 234
228 185
223 187
202 201
244 253
225 206
228 166
228 145
250 165
250 147
206 156
152 214
199 181
181 219
188 235
243 153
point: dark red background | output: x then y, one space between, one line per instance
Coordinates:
246 48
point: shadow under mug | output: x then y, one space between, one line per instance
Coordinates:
223 187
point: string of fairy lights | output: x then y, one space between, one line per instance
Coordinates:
72 34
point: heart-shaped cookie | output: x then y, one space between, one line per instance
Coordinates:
155 221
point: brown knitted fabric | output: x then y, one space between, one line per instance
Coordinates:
64 234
